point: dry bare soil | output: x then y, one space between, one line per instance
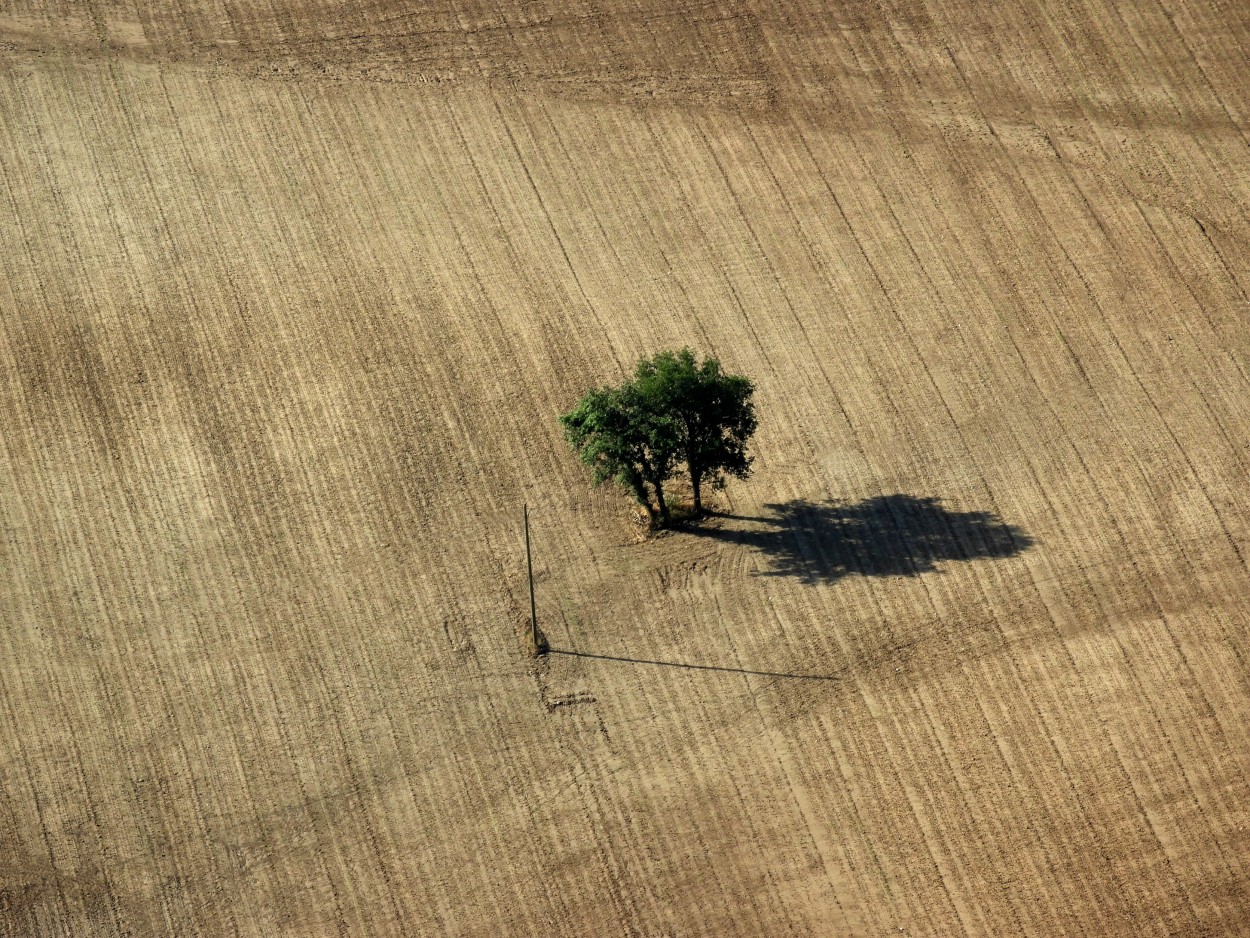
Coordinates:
292 295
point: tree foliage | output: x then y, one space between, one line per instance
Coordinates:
674 410
622 440
713 414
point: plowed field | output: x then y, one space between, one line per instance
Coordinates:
291 295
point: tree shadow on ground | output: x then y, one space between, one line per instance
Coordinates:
890 535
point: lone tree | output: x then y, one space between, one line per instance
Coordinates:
675 410
622 438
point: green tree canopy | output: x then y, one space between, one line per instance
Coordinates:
621 438
674 410
712 411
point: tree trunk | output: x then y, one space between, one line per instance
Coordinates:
640 493
696 483
659 497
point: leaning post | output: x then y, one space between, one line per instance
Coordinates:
537 645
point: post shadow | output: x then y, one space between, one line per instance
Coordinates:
889 535
690 666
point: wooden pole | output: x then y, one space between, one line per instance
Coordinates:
529 570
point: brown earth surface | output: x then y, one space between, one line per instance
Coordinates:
291 295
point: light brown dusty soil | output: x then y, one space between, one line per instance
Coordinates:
290 298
